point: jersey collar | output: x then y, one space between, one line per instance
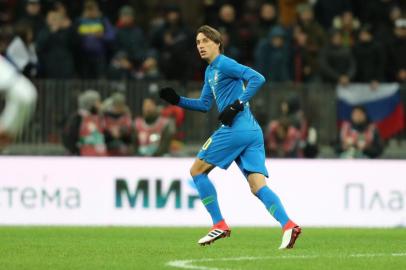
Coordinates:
215 61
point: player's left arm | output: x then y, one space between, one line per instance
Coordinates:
253 78
255 81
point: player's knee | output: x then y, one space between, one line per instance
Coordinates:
200 167
256 181
253 188
194 170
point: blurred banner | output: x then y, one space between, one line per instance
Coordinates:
160 192
383 105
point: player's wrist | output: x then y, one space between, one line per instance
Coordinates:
169 94
238 105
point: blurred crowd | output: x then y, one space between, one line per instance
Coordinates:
300 41
108 128
335 41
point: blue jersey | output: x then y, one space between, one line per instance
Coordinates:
224 82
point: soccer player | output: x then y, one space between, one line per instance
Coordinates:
238 139
20 97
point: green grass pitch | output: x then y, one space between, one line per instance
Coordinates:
174 248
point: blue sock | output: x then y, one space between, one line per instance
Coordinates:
208 195
273 204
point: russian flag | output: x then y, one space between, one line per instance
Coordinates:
383 105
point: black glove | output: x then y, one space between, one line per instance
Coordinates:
168 94
227 116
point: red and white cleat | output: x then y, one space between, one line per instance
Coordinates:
289 237
218 231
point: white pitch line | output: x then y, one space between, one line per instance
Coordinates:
190 264
398 254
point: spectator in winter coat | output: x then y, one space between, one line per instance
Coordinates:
174 42
396 64
370 58
326 10
84 131
95 36
267 19
287 11
33 17
118 130
121 67
272 56
348 26
359 138
304 66
55 48
337 65
315 36
130 37
154 132
283 139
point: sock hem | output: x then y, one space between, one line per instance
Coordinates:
289 225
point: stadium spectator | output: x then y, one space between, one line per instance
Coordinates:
84 132
287 11
32 16
21 50
111 8
337 64
291 110
396 64
348 26
283 139
209 11
226 23
95 36
61 9
377 14
272 56
118 130
302 70
246 31
55 47
370 58
268 18
153 131
230 49
130 37
326 10
121 67
359 138
173 41
149 69
384 31
177 114
315 38
7 14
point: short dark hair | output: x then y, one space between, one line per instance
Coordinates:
212 34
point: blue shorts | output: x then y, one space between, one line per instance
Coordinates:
245 147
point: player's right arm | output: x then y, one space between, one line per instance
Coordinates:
202 104
20 95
